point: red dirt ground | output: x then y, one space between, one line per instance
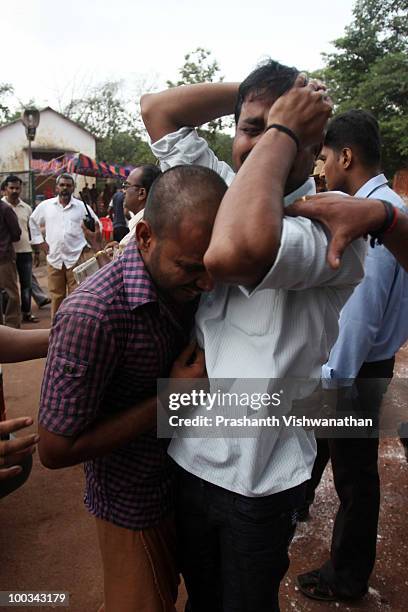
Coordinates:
47 539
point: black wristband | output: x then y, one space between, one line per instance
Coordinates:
285 130
377 237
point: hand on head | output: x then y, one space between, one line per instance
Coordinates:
304 109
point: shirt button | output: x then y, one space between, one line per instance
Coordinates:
68 369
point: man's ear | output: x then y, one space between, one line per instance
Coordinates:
346 158
142 195
144 236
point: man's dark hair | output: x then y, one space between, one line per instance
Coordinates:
356 129
11 178
269 79
149 175
180 192
3 185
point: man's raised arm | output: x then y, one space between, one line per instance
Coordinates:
188 105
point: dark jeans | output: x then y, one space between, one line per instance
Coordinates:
119 232
233 549
355 473
24 263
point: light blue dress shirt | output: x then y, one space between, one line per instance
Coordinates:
374 322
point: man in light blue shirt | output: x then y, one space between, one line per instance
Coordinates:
373 326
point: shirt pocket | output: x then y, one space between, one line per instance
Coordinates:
69 377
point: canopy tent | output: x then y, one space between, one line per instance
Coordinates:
80 164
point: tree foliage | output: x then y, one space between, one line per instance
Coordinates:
369 70
105 113
200 67
124 148
6 114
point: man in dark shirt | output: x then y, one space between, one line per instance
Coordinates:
9 232
111 340
120 227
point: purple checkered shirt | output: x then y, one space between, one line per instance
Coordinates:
112 338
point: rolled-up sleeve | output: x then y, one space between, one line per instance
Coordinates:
80 360
186 147
301 261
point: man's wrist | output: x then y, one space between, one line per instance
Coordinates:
388 217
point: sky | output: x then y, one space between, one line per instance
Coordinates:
53 51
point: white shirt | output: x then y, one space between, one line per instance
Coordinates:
63 231
23 212
132 228
283 328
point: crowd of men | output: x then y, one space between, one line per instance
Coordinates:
272 283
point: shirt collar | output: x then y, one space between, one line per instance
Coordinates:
308 188
137 282
70 203
19 203
373 183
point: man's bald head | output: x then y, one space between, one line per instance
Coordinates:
183 193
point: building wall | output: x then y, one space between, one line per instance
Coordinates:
53 133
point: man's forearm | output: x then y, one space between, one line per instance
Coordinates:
246 235
100 438
188 105
22 345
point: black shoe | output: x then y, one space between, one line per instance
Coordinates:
29 318
44 303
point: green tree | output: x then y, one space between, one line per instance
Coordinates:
124 148
200 67
369 70
105 113
6 114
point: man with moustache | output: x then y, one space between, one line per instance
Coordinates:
64 243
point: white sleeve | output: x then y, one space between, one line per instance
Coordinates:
186 147
301 260
36 219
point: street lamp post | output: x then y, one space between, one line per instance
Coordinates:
31 119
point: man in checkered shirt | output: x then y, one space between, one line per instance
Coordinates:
112 338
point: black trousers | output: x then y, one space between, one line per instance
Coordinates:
355 473
233 549
24 263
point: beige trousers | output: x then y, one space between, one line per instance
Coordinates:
8 282
62 282
139 567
